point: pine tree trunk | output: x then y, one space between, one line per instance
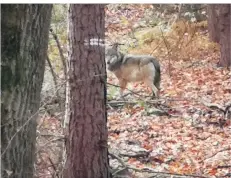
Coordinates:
225 37
87 154
213 22
24 32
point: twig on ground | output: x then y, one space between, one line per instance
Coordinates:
228 148
137 155
118 171
224 167
118 158
226 175
132 102
136 93
149 170
213 106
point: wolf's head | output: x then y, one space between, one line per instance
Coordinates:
113 58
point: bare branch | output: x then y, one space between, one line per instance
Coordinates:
55 81
60 52
52 71
136 93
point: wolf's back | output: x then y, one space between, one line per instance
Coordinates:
142 60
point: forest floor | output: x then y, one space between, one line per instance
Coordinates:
187 131
193 135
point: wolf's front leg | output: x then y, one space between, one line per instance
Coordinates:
123 84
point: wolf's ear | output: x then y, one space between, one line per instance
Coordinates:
115 46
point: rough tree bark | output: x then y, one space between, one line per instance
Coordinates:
225 37
24 32
87 153
213 22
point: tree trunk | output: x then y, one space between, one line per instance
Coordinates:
225 37
87 153
24 32
213 22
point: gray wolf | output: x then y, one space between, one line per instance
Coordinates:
133 68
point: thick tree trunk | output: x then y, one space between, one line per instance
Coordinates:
213 22
24 32
225 37
87 154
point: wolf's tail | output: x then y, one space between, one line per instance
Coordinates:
157 73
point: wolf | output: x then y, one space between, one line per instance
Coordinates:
133 68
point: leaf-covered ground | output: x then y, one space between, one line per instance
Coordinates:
192 140
194 136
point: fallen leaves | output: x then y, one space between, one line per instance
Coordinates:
194 132
184 143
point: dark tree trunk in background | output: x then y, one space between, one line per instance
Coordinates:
225 37
213 22
87 153
219 21
24 40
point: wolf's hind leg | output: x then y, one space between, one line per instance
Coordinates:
155 90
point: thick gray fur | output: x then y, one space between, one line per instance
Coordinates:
127 59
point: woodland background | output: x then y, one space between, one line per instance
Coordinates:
184 133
